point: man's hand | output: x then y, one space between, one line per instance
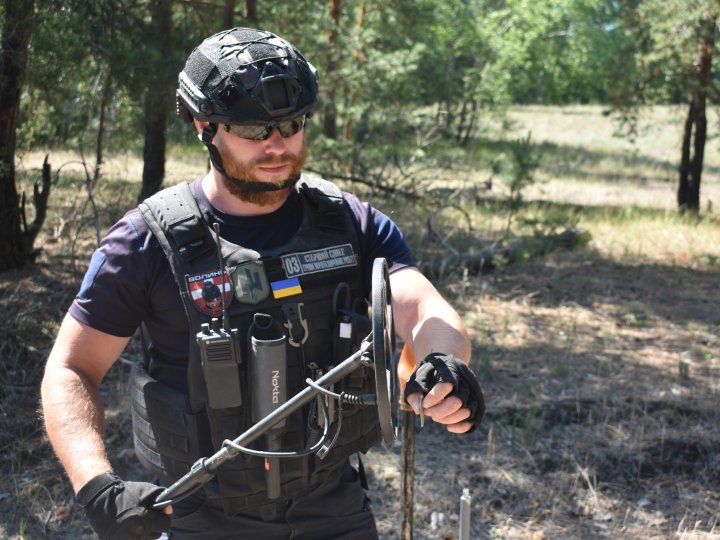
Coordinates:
120 510
452 395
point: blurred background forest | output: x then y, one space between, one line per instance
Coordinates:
554 165
401 81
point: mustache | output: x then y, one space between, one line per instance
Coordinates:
276 161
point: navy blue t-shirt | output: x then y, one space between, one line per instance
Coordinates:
129 282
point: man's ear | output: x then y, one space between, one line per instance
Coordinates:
199 125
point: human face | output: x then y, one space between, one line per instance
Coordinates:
274 160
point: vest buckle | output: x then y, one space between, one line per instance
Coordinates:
293 313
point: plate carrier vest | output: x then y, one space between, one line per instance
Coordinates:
173 429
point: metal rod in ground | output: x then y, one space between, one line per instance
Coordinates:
465 515
407 477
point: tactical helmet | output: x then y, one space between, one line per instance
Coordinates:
244 75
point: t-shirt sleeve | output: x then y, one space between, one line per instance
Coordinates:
380 237
113 296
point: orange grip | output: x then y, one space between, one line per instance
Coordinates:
406 367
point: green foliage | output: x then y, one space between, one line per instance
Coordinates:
76 49
462 57
660 63
518 173
400 77
457 53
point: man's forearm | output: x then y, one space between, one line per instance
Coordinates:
441 333
75 421
425 320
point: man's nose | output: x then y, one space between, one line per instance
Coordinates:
275 143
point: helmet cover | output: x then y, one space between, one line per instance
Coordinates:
244 75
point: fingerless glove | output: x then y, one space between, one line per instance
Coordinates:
437 368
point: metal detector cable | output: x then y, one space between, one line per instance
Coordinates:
342 397
264 454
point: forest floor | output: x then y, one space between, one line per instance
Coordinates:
600 366
602 381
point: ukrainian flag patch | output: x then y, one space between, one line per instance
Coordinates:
286 287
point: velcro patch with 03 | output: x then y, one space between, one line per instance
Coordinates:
318 260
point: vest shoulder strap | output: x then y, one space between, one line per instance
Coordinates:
174 218
328 201
326 195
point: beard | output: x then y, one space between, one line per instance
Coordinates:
242 170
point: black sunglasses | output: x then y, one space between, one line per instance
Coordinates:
260 132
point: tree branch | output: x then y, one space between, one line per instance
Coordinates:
370 183
487 258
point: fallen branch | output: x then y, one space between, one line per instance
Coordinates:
435 232
41 195
490 256
329 175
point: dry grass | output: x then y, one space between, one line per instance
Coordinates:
602 381
126 167
601 366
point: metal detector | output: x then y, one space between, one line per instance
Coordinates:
377 350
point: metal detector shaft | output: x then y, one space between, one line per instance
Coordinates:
204 469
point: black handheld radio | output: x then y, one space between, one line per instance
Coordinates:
220 353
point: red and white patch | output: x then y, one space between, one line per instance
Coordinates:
208 289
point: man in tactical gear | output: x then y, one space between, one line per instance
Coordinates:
288 257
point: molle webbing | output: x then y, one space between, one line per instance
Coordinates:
173 216
328 199
167 435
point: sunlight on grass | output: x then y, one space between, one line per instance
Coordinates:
581 150
622 191
658 136
183 163
667 238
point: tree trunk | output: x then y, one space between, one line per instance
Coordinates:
157 97
695 132
251 12
683 193
470 127
360 58
229 14
153 149
449 78
99 139
330 118
14 250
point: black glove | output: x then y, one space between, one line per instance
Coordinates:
437 368
120 510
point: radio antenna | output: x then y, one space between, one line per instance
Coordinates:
225 318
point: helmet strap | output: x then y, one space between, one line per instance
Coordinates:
207 136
